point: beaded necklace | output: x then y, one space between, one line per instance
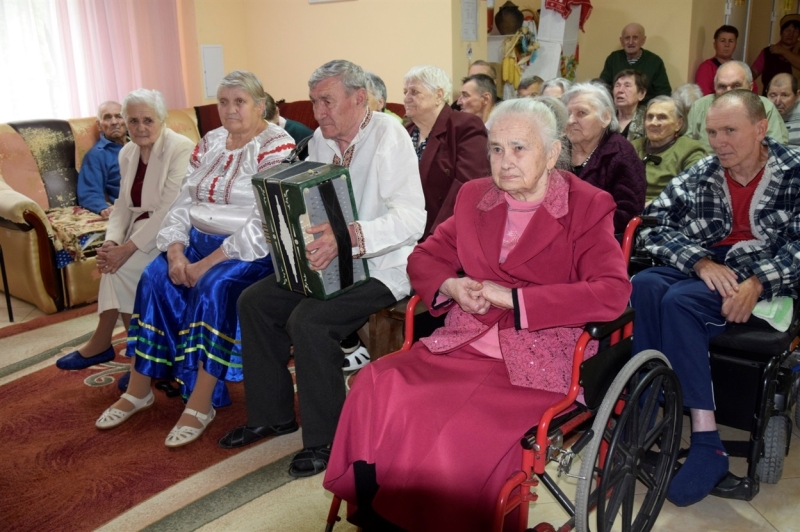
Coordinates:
586 161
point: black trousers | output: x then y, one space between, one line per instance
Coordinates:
273 319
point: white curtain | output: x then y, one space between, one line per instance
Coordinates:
33 81
65 57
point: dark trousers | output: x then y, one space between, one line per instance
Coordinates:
273 319
678 315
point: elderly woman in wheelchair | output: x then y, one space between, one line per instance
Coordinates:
428 437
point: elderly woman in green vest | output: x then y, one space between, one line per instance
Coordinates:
665 151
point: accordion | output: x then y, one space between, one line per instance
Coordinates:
292 197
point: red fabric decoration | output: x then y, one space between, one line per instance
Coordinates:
564 8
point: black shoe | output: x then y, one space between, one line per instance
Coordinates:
310 461
351 343
244 435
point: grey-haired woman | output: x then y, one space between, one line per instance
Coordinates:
152 167
600 155
185 323
450 145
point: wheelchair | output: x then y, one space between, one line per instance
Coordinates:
628 427
755 371
756 374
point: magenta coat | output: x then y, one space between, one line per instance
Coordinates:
441 430
567 266
456 152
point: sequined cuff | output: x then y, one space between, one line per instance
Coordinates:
362 247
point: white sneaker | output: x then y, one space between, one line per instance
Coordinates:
356 360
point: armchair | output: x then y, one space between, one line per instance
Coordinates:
39 165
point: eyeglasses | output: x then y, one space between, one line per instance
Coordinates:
649 158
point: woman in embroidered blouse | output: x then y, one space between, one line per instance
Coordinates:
152 166
539 257
450 145
185 321
600 155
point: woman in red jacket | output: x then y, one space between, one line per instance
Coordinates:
450 145
427 438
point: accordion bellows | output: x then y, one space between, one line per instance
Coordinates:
292 197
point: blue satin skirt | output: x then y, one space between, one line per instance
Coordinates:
174 328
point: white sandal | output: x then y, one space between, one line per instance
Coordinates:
356 360
180 436
114 416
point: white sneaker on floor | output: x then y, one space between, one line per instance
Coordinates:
356 360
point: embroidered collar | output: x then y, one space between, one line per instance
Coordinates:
555 202
347 158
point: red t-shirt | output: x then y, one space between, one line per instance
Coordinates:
741 198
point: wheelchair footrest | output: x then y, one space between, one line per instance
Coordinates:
733 487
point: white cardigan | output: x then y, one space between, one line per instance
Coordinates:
169 160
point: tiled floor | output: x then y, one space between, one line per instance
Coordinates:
303 505
22 310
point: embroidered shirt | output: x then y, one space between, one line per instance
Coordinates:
217 195
384 173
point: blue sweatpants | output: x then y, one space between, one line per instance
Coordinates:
678 315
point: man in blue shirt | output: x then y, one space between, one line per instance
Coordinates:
98 181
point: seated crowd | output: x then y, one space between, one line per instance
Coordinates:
499 214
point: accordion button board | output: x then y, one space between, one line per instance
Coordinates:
293 197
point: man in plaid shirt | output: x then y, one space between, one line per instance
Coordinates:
729 234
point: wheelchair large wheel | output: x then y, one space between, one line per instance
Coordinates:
770 467
640 442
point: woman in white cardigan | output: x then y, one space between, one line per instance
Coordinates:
152 167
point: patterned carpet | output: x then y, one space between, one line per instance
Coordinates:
60 472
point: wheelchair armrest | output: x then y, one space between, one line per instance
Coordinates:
648 221
602 329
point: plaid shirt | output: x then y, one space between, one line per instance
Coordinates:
694 212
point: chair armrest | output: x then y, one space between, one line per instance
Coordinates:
24 212
16 208
602 329
51 278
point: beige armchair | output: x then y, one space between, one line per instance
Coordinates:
39 165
